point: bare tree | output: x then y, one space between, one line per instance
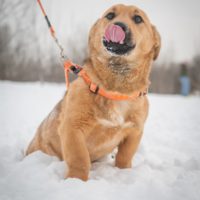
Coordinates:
195 74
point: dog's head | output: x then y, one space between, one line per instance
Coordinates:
124 32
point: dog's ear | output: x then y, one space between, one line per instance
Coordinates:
157 42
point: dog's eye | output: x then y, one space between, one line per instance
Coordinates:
137 19
110 16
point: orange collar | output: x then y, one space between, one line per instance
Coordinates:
78 70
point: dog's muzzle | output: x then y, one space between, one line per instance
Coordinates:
117 39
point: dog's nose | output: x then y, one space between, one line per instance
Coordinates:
122 25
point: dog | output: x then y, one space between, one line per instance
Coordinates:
85 126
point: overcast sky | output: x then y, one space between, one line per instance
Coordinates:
178 21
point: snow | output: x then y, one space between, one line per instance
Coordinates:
166 165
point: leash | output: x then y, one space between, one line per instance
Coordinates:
52 31
64 58
78 70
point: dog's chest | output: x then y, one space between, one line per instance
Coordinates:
116 115
110 128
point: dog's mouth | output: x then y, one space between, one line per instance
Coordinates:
117 39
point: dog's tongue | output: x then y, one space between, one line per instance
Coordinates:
114 33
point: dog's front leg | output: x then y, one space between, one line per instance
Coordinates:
127 148
75 152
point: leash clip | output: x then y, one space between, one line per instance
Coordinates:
75 69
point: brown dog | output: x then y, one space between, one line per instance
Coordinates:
85 126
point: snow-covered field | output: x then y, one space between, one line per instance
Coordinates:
166 166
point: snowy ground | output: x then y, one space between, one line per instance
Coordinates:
166 166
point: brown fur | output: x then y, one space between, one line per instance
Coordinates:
83 126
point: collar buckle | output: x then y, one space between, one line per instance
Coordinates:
94 88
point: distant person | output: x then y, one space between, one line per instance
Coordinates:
184 80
